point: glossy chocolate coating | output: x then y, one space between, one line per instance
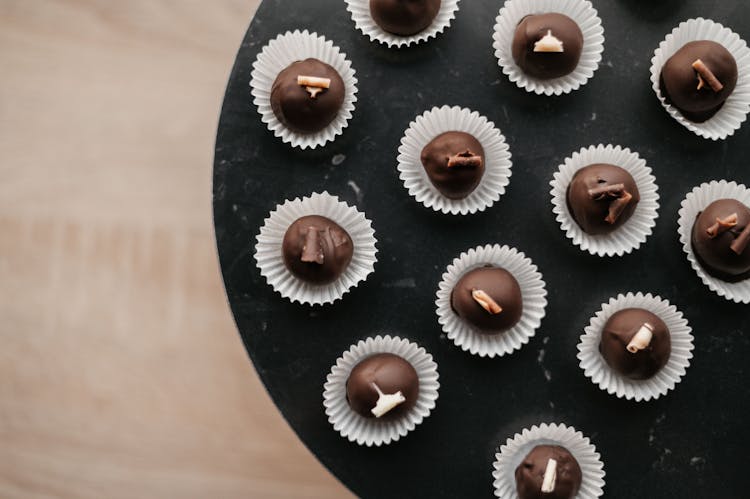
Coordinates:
679 81
590 213
391 374
458 181
404 17
547 65
617 333
333 249
296 108
715 254
530 473
501 286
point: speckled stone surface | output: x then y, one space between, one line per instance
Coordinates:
688 444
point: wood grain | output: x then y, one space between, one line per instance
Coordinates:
121 372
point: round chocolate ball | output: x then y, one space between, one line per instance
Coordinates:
547 45
720 239
530 473
489 298
305 108
378 375
688 89
316 249
404 17
641 361
602 197
454 162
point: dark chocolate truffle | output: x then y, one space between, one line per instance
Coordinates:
547 45
306 105
601 197
454 162
635 343
488 298
404 17
698 78
316 249
530 473
384 383
720 239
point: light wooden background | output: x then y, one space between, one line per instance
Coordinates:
121 373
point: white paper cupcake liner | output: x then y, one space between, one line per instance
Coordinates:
449 119
734 111
517 448
371 431
635 230
360 10
268 252
533 292
595 367
280 53
695 202
581 11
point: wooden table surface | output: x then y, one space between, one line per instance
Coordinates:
121 372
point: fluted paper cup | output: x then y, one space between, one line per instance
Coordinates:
517 448
580 11
533 293
371 431
277 56
630 235
360 10
268 249
694 203
497 163
734 111
595 367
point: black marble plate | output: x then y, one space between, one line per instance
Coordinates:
690 443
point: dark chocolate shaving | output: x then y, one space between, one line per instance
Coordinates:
617 206
466 158
312 252
705 76
601 191
740 243
722 225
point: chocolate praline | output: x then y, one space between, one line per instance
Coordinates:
722 248
602 197
404 17
316 249
454 162
618 333
530 473
388 373
294 105
540 59
680 80
500 286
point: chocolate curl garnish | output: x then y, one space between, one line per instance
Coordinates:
313 84
617 206
486 301
386 401
740 243
614 190
548 43
722 225
311 251
641 339
466 158
705 76
550 477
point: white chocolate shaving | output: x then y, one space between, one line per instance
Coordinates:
550 477
313 81
641 339
386 402
549 43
